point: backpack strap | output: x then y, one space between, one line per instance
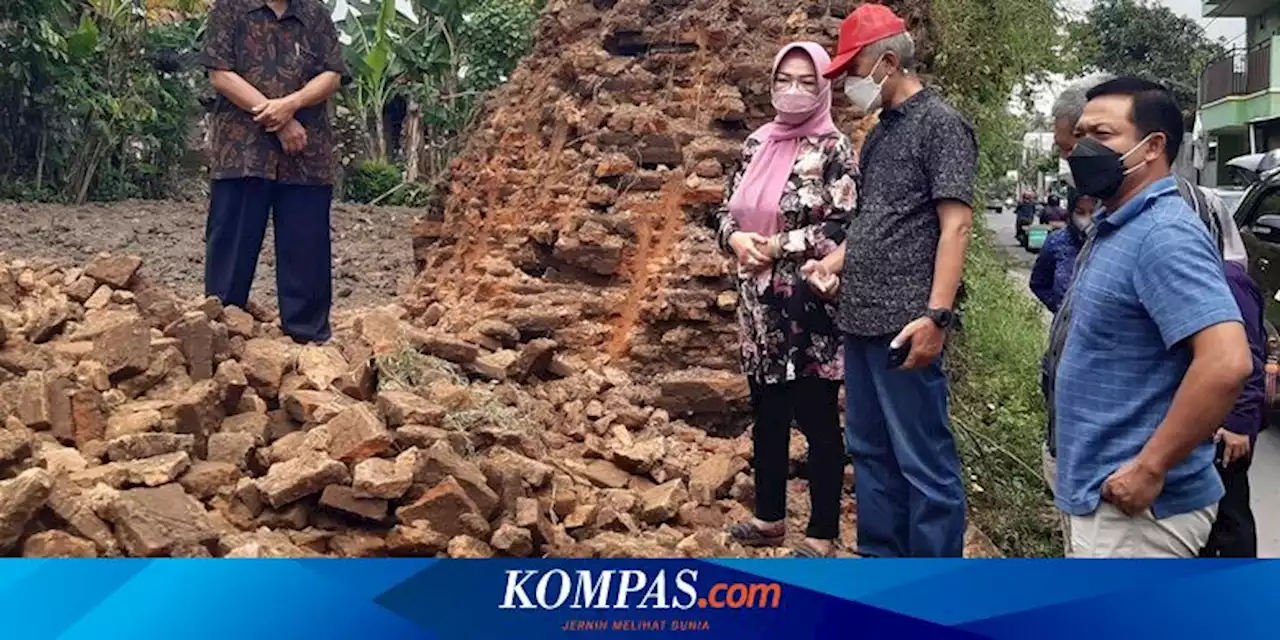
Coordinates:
1199 203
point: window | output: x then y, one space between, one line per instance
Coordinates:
1255 204
1269 205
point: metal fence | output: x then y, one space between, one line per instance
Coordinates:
1241 72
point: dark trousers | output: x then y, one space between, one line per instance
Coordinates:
1234 533
814 403
910 494
238 212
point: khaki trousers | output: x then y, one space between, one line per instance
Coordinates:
1110 533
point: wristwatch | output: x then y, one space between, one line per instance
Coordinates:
941 317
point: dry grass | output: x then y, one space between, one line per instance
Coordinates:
408 370
490 413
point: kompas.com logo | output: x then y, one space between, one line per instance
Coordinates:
619 589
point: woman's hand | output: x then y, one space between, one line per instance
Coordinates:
748 249
824 282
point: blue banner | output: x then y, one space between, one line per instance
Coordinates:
740 599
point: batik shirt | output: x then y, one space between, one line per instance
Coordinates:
788 331
278 56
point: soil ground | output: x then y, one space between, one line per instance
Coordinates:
372 256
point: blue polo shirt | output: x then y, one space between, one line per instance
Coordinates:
1152 279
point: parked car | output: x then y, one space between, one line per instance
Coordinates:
1258 216
1248 169
1231 196
995 205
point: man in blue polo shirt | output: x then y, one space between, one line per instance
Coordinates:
1148 352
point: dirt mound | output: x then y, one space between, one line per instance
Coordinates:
590 186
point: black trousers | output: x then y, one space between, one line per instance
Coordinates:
814 404
1234 533
238 213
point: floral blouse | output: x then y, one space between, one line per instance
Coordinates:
787 330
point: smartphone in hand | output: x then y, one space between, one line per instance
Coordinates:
898 355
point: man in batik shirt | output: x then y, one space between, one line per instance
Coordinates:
274 64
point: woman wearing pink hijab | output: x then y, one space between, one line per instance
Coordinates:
788 204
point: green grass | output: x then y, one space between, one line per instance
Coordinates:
998 409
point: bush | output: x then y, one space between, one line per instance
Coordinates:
368 181
998 409
23 191
99 100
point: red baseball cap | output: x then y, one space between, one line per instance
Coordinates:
867 24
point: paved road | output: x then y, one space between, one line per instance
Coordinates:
1264 475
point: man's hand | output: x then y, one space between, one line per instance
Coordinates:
823 281
293 137
275 114
1133 487
926 342
747 247
1234 446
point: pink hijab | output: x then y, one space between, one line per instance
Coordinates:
756 204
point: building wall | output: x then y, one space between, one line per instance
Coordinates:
1209 174
1237 111
1264 26
1230 146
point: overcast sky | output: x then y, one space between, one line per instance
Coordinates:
1230 29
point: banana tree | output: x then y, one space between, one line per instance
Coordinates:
374 31
471 46
425 51
433 60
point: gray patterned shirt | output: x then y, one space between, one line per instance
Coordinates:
921 152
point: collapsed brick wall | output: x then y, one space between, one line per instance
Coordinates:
583 205
134 422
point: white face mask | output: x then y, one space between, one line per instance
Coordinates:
1130 152
865 92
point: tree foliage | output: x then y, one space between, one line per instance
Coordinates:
94 98
99 98
1144 39
986 49
440 56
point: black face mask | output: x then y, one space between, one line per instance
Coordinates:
1098 170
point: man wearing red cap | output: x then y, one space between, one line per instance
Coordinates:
905 254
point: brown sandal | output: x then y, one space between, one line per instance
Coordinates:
749 535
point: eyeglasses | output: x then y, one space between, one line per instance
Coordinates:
808 84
